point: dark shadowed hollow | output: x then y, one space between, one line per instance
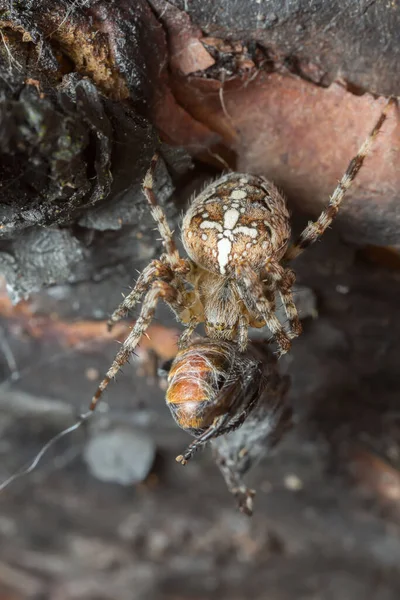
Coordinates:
88 91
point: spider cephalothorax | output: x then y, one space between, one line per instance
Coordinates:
236 233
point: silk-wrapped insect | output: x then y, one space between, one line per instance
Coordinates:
235 400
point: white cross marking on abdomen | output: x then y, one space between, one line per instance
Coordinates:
224 244
231 217
224 247
211 225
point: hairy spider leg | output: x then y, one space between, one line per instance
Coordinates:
159 215
159 289
252 293
155 270
164 268
284 280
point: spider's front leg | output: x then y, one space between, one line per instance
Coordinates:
157 269
159 289
187 334
251 290
170 263
315 230
284 280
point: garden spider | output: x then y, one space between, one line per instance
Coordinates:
236 234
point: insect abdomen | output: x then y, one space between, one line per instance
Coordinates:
193 386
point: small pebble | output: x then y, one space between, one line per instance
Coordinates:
293 483
342 289
121 456
92 374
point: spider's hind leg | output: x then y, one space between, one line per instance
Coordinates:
284 280
251 290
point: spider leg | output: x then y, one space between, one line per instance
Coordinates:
314 230
285 279
190 327
251 289
243 332
160 217
159 289
155 270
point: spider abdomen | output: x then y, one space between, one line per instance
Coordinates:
237 218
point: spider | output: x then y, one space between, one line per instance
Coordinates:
237 237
